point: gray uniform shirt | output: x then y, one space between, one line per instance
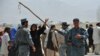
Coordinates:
23 41
23 37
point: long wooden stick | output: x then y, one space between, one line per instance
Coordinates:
32 12
37 17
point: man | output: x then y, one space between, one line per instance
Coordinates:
23 39
76 40
90 38
96 37
63 46
86 41
5 40
51 42
35 34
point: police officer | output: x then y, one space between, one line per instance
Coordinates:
23 39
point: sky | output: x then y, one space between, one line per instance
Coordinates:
55 10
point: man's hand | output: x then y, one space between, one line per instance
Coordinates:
78 36
69 43
45 23
34 49
56 29
46 20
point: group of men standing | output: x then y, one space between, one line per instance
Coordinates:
93 43
56 42
73 44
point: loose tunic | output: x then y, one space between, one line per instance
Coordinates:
52 41
37 43
4 45
77 47
96 38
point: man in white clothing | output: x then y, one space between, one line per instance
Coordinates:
96 37
5 39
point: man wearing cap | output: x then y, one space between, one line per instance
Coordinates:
23 39
63 32
76 40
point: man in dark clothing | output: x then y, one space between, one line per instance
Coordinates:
35 34
90 38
